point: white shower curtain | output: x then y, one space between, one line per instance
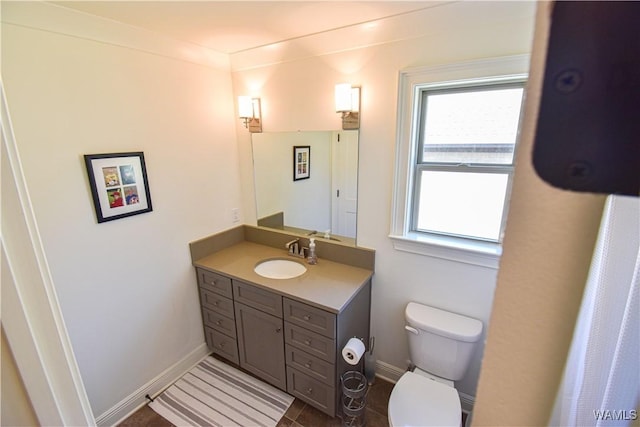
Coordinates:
601 383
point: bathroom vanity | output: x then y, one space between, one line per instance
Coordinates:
288 332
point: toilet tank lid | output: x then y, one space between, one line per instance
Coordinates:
443 323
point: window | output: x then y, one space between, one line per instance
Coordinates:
466 142
456 145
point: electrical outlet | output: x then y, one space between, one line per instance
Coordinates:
235 214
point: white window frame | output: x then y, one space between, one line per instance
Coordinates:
411 82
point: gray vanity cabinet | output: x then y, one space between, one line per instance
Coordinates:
290 343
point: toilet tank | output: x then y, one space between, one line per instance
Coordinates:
441 342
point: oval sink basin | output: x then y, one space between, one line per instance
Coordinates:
280 269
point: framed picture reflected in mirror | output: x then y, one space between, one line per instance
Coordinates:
301 162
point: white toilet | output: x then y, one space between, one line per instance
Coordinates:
440 345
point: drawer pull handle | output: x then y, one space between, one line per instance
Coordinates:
307 365
221 345
306 317
218 322
307 342
216 303
278 330
309 390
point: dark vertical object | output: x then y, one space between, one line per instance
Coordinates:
588 131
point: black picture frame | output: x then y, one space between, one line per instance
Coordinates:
301 162
119 185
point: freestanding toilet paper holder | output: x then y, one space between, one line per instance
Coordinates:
355 387
354 398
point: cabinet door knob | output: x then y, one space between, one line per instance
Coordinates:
309 390
221 345
218 322
306 317
307 342
307 365
216 303
278 330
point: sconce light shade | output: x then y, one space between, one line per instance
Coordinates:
343 97
249 111
347 99
245 107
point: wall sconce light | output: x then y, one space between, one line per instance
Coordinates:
348 103
249 112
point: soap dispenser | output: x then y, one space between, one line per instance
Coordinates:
312 258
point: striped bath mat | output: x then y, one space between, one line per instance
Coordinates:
216 394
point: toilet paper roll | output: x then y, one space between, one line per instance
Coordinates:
353 351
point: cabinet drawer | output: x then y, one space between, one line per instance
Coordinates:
216 302
215 283
311 365
312 391
219 322
310 318
310 342
257 298
221 344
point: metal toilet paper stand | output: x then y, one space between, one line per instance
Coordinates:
354 398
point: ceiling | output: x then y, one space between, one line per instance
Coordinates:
235 26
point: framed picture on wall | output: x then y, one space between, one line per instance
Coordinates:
119 185
301 162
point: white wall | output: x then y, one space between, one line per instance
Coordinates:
126 287
296 91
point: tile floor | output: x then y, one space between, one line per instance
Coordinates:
299 413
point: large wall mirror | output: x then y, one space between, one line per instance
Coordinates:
307 182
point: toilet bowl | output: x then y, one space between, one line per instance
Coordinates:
417 400
441 344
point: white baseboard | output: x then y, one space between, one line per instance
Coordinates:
136 400
388 372
467 402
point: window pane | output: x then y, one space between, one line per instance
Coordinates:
471 127
464 204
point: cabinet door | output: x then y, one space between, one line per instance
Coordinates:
261 345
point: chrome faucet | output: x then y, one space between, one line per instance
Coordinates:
295 249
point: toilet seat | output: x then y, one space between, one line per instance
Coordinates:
419 401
